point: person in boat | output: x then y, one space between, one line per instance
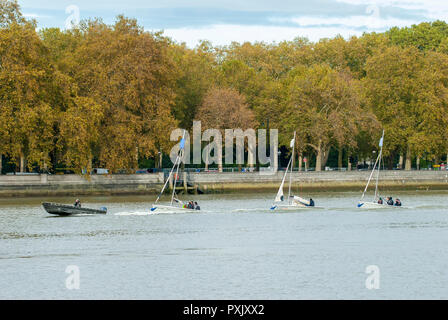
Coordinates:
311 203
390 201
190 205
196 206
77 204
380 200
397 202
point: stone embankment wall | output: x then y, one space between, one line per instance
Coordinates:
54 185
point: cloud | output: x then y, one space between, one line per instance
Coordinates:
251 20
430 9
367 22
225 34
35 16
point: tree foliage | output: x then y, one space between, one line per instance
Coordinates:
109 95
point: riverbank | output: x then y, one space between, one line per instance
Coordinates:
140 184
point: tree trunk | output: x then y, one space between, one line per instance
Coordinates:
418 163
408 164
349 164
206 161
400 162
22 163
340 158
161 159
326 154
390 161
90 164
319 157
1 163
136 159
300 160
185 182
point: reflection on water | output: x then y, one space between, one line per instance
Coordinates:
236 248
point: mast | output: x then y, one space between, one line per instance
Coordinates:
379 166
166 183
179 157
293 142
370 178
280 190
373 170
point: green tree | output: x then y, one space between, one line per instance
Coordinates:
424 36
197 74
323 107
407 89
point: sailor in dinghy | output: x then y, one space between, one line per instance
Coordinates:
377 202
293 202
172 207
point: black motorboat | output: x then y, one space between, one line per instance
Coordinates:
68 210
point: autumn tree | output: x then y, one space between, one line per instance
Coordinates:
80 132
10 13
111 94
26 90
129 73
225 108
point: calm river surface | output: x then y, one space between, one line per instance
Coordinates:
233 249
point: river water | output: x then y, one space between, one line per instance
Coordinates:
234 249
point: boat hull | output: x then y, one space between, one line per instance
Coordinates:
291 207
373 205
172 209
66 210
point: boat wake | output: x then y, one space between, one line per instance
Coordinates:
138 213
251 210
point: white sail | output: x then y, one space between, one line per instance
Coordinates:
176 176
292 144
379 167
376 165
293 202
299 200
280 195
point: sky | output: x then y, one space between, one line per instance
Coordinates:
222 22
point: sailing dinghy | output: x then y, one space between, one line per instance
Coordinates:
374 204
175 205
293 202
